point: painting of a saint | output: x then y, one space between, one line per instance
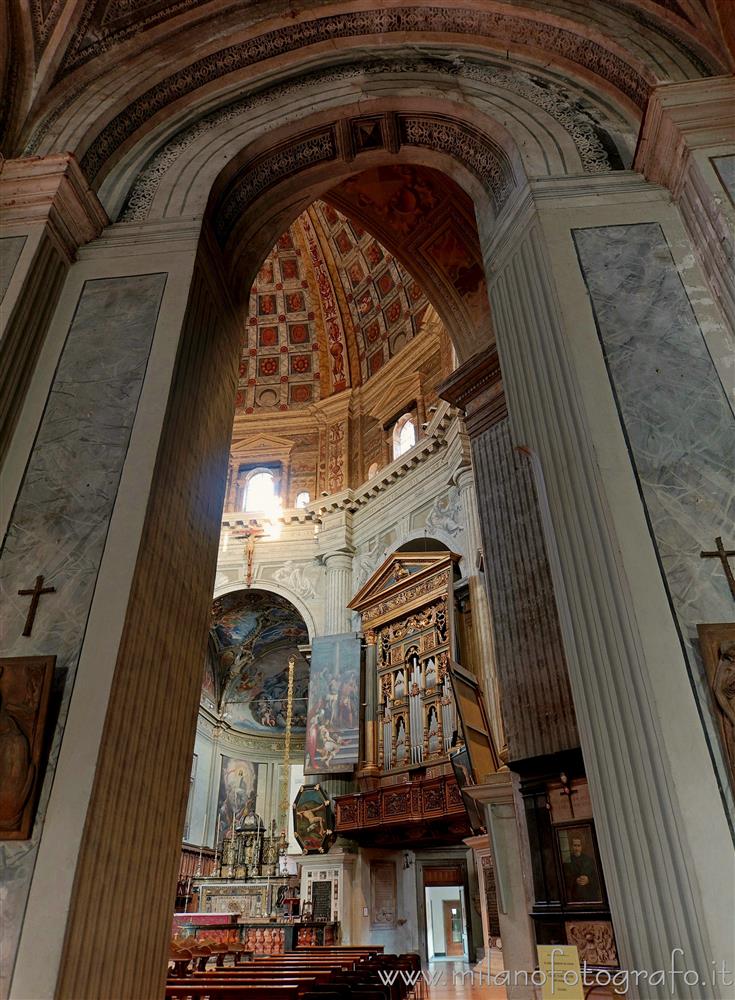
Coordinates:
332 729
25 685
237 795
433 729
401 741
582 882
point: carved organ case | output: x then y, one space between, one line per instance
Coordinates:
407 613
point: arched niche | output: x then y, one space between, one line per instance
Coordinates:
254 633
281 591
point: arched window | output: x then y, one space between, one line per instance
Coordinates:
404 435
303 500
260 490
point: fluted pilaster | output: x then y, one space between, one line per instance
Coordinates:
481 618
640 731
339 592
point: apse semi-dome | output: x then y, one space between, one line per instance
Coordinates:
253 634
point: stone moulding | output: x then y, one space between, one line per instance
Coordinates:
479 154
571 109
511 30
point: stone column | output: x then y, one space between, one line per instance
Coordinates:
47 211
141 356
369 767
601 324
339 592
508 843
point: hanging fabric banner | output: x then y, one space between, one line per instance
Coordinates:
333 721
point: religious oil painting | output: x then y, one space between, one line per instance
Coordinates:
313 820
580 864
25 687
252 637
717 646
238 790
333 722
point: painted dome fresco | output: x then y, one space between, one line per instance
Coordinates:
252 636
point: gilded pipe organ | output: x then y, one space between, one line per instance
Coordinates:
417 718
410 721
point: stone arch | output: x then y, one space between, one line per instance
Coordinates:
621 53
200 358
274 588
569 118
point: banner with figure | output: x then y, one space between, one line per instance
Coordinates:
333 720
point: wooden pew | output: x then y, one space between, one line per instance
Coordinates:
196 991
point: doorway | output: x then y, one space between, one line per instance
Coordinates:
446 923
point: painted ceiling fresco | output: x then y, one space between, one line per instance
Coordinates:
330 305
386 304
425 217
253 634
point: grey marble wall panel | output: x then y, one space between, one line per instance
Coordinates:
11 248
725 167
675 414
61 516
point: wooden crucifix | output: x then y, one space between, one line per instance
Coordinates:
252 532
724 555
35 596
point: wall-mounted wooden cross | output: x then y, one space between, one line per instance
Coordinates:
35 596
724 555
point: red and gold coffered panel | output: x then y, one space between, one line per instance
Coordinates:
426 219
329 306
280 363
386 304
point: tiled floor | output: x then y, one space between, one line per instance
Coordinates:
458 981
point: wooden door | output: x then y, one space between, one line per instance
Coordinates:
453 928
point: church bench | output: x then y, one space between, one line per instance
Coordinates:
216 991
258 980
234 976
347 947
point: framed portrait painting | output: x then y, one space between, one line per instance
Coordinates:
25 693
580 866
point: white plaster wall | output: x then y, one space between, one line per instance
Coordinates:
200 832
405 936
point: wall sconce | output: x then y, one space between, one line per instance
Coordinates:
407 861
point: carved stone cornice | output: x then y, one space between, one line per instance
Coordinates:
51 190
687 128
476 387
681 118
434 440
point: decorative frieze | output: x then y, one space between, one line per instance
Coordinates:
573 110
509 29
